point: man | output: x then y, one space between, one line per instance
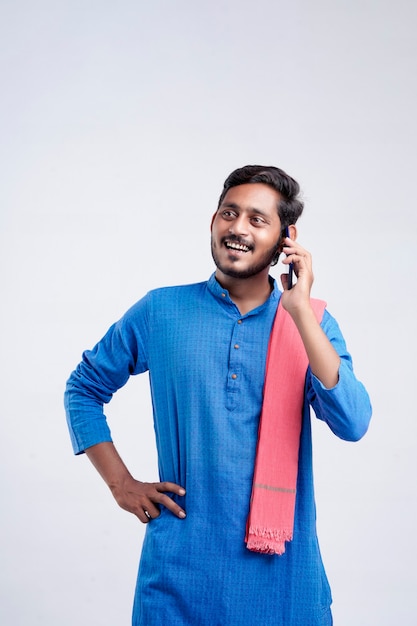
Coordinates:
205 347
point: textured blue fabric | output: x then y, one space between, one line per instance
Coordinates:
207 364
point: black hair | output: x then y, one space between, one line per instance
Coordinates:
289 207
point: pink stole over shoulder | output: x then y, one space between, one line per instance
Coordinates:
271 516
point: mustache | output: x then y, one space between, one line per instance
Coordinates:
236 239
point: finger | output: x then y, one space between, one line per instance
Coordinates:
144 516
148 505
291 253
289 241
299 261
172 506
167 486
291 259
159 496
292 247
284 281
289 244
151 510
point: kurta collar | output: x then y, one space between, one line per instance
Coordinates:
222 295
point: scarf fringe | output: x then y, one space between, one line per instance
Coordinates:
267 540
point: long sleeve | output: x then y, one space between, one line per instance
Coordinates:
102 371
346 407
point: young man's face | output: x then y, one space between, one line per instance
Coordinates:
245 231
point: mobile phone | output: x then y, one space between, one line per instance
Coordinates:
291 266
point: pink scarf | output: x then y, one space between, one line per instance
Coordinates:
271 516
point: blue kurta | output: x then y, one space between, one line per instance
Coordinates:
207 365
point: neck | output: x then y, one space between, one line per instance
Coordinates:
246 293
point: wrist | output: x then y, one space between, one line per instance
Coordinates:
303 314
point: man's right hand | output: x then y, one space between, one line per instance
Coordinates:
141 499
144 499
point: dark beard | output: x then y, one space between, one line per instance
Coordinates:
267 260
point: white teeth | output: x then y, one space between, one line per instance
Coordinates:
237 246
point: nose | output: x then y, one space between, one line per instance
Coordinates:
239 226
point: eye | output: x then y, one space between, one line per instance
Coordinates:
228 215
257 220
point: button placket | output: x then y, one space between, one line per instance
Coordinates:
235 356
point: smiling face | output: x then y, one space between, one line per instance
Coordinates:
245 231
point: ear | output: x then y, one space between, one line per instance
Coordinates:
212 221
293 235
293 231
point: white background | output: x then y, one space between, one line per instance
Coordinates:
119 123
